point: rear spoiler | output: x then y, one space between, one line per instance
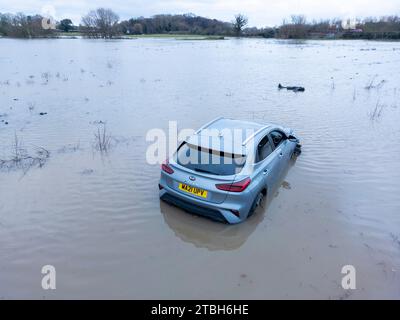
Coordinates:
288 131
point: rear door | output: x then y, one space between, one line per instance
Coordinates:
281 150
267 163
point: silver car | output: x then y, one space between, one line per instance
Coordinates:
227 167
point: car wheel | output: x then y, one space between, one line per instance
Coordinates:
256 203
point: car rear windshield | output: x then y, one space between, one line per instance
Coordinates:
209 161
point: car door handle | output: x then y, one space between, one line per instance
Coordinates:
265 172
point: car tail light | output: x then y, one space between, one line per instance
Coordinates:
166 167
239 186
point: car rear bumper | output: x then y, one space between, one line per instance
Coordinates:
218 212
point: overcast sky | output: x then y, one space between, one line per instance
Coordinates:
260 12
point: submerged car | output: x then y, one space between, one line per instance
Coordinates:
227 167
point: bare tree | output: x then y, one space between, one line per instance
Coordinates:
299 19
297 29
100 23
137 28
239 23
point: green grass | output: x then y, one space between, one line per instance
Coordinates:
205 38
156 36
69 34
175 36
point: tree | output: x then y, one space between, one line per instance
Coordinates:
298 20
297 29
137 28
21 26
239 23
100 23
65 25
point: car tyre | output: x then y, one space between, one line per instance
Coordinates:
256 203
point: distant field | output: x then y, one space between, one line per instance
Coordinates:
178 36
161 35
69 34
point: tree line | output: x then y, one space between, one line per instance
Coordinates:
105 23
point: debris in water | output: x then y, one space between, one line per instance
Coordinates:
70 148
31 106
86 171
98 122
395 238
294 89
286 185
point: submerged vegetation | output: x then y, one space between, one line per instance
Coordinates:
105 23
20 158
102 141
377 112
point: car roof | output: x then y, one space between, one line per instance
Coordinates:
223 123
219 133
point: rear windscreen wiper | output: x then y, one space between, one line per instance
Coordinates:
205 171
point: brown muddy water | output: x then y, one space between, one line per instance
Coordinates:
97 217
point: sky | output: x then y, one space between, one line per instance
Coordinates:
260 12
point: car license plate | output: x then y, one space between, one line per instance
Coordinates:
193 190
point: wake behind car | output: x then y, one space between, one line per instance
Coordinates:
227 167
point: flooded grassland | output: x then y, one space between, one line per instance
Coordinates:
90 207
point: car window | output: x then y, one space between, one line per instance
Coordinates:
209 161
264 149
277 138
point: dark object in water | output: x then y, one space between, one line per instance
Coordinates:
294 89
43 113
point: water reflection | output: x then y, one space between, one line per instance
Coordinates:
205 233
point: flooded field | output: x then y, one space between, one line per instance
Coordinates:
96 217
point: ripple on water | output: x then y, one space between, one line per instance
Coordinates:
98 217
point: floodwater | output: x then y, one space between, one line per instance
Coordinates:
97 219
